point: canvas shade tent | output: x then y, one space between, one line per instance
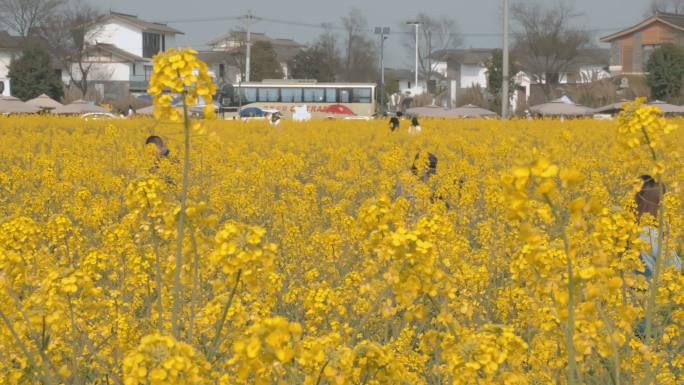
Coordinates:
12 105
149 110
44 102
614 108
667 108
78 107
467 111
561 107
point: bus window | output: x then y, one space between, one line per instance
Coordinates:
331 95
314 95
361 95
291 95
345 96
269 94
249 94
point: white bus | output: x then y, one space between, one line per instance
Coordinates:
322 100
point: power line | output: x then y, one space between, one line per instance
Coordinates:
331 26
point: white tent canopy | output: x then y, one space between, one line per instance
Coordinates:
561 107
12 105
467 111
78 107
44 102
667 108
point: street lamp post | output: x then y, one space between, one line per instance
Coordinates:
506 75
383 32
417 25
249 19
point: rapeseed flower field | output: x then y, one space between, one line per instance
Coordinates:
338 252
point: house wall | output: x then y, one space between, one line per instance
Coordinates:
120 34
406 85
5 60
440 67
102 72
170 41
473 75
631 46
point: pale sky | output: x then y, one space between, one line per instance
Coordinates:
479 20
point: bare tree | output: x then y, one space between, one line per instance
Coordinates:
25 16
435 34
360 62
328 43
673 6
547 43
68 35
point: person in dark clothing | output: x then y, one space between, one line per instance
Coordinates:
159 143
394 123
647 202
275 119
648 198
415 126
424 173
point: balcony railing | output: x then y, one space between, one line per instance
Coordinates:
138 83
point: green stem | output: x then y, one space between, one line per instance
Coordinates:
572 372
158 278
195 282
23 347
181 225
224 315
650 310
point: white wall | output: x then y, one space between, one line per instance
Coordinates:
122 35
440 67
589 74
103 72
5 60
170 41
472 75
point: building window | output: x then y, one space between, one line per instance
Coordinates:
249 94
331 95
345 96
314 95
361 95
222 71
291 95
647 51
148 72
616 54
151 44
268 94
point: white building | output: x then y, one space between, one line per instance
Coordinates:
234 42
10 47
121 47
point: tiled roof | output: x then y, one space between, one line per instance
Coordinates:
254 36
673 20
142 24
116 51
472 56
9 42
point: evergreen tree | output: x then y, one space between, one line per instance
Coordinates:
665 69
32 74
264 62
314 63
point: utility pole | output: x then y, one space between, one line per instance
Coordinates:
417 25
383 32
506 75
249 20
